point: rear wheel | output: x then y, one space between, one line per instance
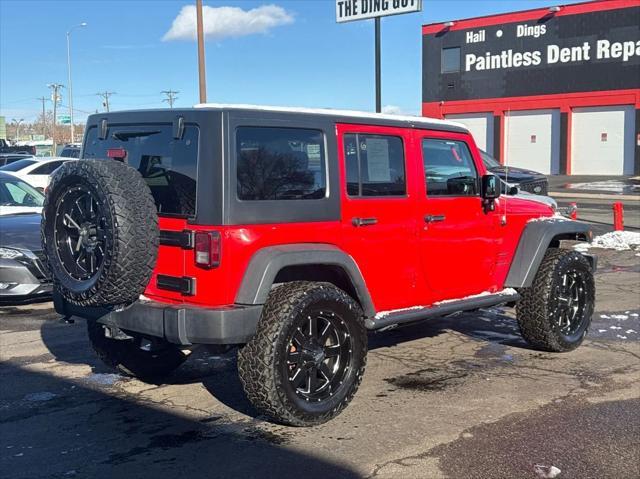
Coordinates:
307 359
554 314
148 359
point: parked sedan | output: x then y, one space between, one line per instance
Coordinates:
525 180
35 171
23 272
16 196
8 158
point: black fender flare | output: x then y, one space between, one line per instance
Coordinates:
534 242
267 262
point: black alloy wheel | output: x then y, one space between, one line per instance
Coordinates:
307 358
318 356
79 233
571 302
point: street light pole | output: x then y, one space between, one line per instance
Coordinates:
83 24
17 122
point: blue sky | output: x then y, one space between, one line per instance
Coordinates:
308 60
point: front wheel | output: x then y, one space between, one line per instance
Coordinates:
308 356
554 314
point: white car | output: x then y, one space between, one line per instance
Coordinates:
17 197
35 171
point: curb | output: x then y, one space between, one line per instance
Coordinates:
595 196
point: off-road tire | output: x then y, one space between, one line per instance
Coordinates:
126 356
537 310
260 361
130 234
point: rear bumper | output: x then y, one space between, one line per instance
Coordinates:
178 324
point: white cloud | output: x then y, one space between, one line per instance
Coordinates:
392 110
397 110
225 22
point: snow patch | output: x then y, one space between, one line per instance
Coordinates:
615 240
384 314
615 327
608 185
620 336
556 217
104 379
41 396
546 472
504 292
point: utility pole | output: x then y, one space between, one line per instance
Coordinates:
202 76
55 98
105 98
171 97
43 99
83 24
378 67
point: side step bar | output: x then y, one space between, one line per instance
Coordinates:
442 309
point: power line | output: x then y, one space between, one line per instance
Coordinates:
105 98
171 97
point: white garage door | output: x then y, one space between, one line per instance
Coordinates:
481 127
532 140
602 140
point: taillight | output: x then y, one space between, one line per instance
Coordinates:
208 249
117 153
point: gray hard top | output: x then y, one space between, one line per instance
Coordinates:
280 112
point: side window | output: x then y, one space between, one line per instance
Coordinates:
374 165
48 168
280 164
449 168
450 60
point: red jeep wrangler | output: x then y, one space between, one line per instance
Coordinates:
290 234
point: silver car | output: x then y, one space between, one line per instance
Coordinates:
23 273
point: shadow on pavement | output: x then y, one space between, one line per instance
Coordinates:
492 328
53 427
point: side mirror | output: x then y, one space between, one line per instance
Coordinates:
490 187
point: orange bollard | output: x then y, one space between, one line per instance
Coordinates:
618 216
573 211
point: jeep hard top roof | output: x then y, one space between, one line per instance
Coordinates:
346 116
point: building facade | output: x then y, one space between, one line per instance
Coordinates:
555 89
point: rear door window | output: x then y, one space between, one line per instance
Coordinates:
375 165
168 165
280 164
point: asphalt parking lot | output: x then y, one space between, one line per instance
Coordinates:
461 397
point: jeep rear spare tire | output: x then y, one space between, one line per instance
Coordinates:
99 232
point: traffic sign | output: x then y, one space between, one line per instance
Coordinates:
64 119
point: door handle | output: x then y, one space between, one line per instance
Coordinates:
434 218
364 221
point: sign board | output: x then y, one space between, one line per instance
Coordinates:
587 52
350 10
64 119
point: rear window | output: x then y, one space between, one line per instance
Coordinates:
17 165
70 153
168 165
280 163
